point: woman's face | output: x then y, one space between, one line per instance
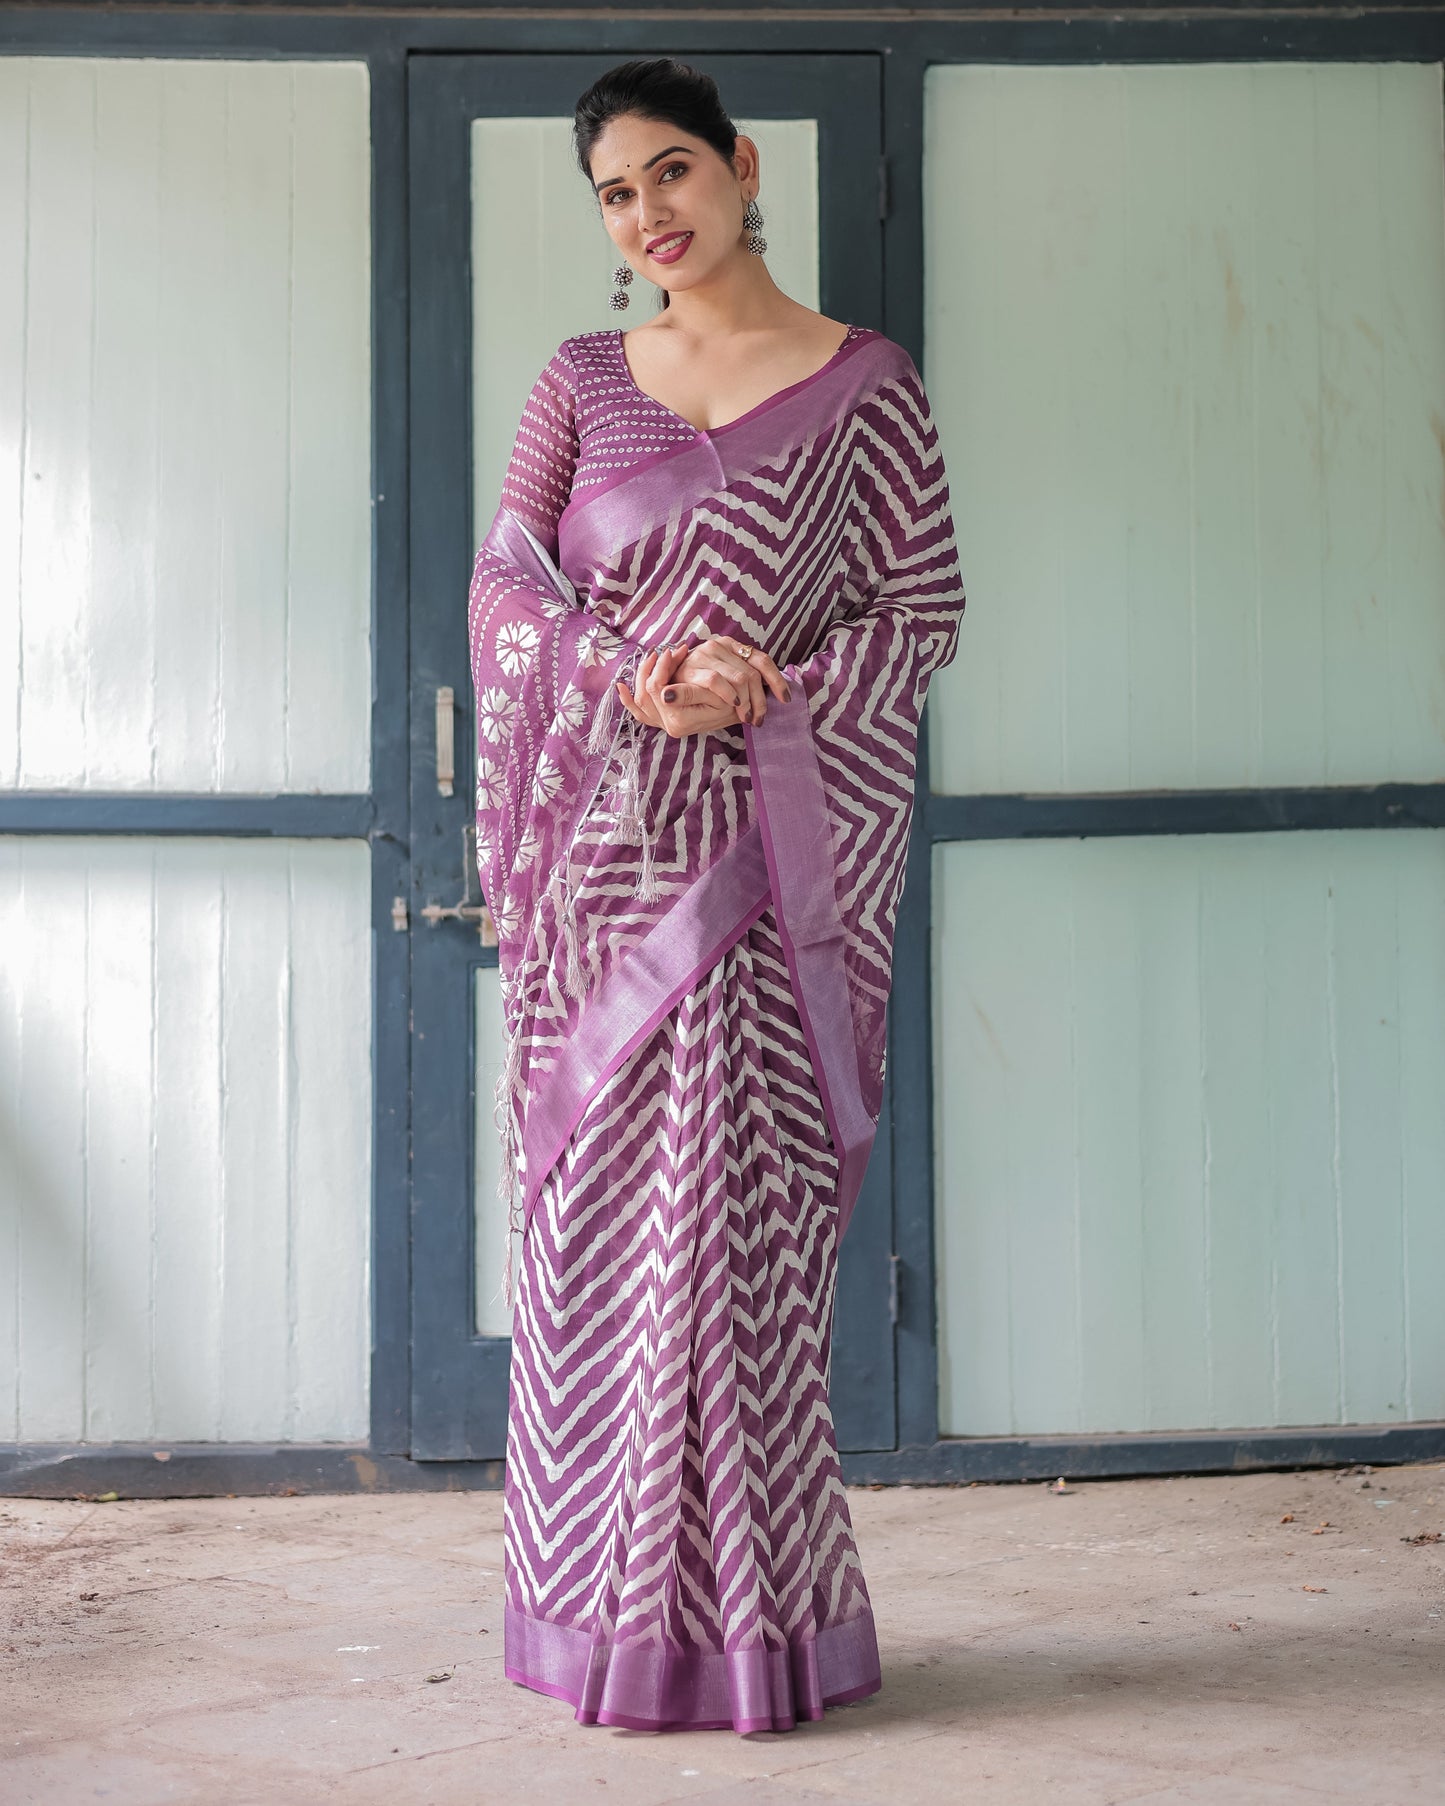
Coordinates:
656 184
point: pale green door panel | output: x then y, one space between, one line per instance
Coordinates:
1184 341
1186 346
1190 1149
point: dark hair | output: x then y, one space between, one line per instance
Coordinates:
654 87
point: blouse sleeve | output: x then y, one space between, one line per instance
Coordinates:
538 481
542 665
515 573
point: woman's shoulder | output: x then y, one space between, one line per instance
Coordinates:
585 351
587 365
574 356
886 358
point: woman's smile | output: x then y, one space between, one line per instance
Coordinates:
670 249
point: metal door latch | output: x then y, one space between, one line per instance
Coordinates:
464 912
468 908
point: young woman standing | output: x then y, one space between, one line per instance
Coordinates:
703 625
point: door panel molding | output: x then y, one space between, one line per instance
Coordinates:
459 1379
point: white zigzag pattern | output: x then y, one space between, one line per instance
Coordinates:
706 1559
677 1283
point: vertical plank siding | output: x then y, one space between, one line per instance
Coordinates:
185 429
185 605
1183 332
185 1053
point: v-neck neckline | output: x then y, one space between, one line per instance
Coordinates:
711 432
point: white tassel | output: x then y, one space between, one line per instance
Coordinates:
627 794
630 817
646 885
511 1067
574 979
602 720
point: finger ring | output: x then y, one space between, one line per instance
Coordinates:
745 651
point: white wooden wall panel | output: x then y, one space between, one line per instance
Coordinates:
14 122
542 262
1190 1149
185 516
1183 340
185 1139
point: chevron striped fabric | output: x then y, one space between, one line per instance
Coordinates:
695 941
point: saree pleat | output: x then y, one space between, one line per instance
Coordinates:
695 946
675 1295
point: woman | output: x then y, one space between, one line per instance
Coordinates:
702 626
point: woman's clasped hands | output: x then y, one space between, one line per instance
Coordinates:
688 689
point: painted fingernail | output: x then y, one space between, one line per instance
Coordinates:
787 692
669 695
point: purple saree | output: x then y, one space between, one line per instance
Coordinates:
695 943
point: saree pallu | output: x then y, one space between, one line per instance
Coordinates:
695 949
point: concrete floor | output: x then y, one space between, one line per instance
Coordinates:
1261 1638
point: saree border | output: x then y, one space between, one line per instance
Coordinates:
785 857
797 841
647 1687
719 906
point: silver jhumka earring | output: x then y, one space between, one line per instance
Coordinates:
752 220
622 275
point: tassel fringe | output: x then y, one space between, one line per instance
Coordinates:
503 1093
646 885
611 726
630 826
627 791
603 720
574 979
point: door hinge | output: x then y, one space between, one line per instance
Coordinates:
895 1262
883 196
399 918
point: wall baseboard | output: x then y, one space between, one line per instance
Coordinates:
245 1470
